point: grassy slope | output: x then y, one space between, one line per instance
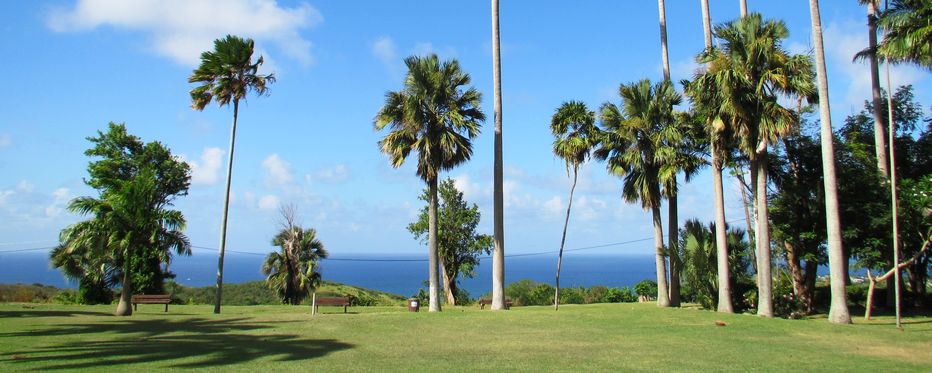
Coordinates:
577 338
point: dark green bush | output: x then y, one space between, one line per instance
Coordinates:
646 288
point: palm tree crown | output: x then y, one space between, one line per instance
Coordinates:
573 125
293 272
432 115
227 73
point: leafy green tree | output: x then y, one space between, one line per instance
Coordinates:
227 74
458 244
293 271
435 116
632 143
136 182
573 126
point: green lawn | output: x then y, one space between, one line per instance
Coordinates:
577 338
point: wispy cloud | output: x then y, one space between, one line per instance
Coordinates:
331 175
5 140
206 170
182 29
277 171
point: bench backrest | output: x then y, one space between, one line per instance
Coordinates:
152 297
333 301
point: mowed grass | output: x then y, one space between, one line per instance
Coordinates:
608 337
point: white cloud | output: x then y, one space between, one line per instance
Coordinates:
25 186
5 140
269 202
4 195
333 175
426 48
384 49
59 198
182 29
277 171
842 41
553 206
206 171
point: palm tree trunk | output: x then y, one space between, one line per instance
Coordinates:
124 308
556 293
663 299
838 311
879 136
764 276
744 7
498 256
433 280
894 204
673 240
748 214
721 236
706 23
663 40
226 209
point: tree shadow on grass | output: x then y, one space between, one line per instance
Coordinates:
190 343
50 313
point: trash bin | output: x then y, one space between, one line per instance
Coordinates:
414 305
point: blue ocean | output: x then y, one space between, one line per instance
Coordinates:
401 274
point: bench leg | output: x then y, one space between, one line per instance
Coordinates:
135 306
166 307
344 309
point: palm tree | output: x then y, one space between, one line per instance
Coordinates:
907 38
879 139
838 312
665 58
670 193
753 62
632 145
708 104
435 117
573 125
498 253
744 7
227 74
125 221
292 272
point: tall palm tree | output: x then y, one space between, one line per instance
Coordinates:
670 193
908 35
753 61
573 125
632 144
879 139
126 220
713 110
498 253
436 116
838 312
227 74
293 272
709 105
743 7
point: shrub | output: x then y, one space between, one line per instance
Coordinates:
646 288
618 295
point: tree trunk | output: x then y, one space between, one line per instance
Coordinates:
125 308
673 238
764 276
556 293
800 283
880 147
721 237
498 255
663 41
433 281
706 23
449 287
226 209
752 235
811 274
663 299
838 311
744 7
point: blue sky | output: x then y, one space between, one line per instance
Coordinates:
72 67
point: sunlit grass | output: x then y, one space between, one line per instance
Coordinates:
576 338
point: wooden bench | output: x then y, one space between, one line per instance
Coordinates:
488 302
152 299
333 301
